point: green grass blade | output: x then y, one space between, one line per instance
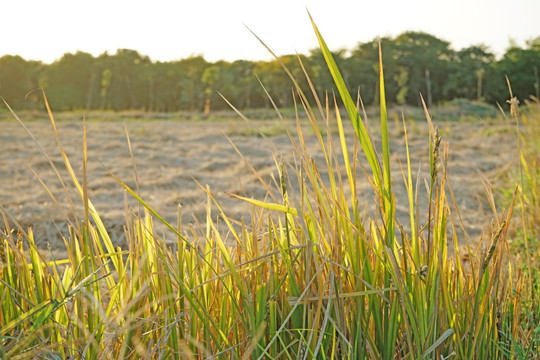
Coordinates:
350 106
270 206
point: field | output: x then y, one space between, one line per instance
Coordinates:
170 154
325 234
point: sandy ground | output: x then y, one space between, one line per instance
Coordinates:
171 155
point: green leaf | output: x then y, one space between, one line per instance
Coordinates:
361 131
439 341
269 206
45 314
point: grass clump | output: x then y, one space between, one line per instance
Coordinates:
311 275
524 234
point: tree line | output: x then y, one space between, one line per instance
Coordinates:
415 63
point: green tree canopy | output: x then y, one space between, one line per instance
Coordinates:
415 63
18 78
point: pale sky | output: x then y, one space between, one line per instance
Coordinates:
169 30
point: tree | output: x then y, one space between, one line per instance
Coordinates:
106 76
468 70
128 87
365 73
243 84
426 59
189 82
71 82
18 78
322 78
216 77
275 81
521 67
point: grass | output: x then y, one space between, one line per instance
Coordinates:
311 274
524 235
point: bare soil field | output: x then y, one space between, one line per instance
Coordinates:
171 156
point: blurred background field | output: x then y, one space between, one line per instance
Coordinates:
173 150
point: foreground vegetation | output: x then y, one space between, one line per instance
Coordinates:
310 275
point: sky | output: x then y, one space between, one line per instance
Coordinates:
167 30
